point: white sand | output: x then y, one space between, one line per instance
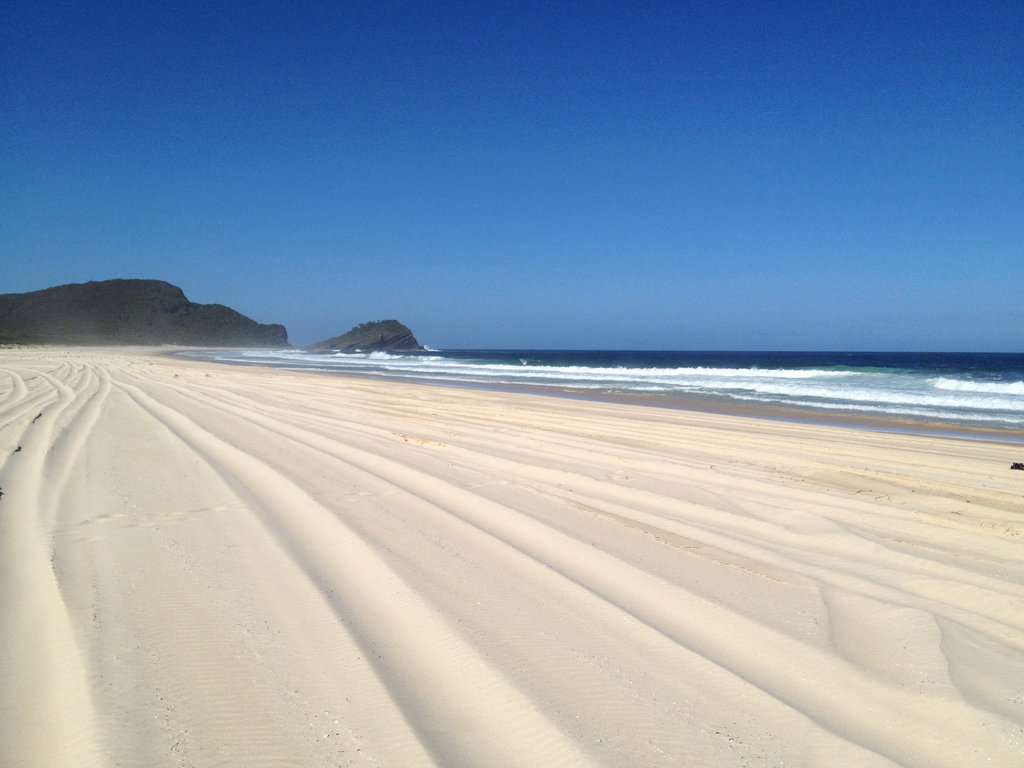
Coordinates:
206 565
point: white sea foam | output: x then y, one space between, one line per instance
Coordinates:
907 411
884 392
970 385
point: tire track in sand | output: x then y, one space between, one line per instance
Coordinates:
47 716
857 706
464 711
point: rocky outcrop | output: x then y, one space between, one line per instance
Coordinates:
127 312
382 335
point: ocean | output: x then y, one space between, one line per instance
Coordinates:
955 389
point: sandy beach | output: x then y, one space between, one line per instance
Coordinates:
210 565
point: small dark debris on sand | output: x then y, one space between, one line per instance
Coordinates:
1017 465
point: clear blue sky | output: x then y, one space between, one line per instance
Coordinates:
676 175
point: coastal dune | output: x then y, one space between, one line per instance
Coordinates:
222 565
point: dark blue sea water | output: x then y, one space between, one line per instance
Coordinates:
980 390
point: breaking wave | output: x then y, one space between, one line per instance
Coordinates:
951 388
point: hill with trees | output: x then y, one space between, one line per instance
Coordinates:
127 312
382 335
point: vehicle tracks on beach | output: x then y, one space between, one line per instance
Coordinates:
462 708
524 587
685 618
54 723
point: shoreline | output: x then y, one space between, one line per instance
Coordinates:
819 417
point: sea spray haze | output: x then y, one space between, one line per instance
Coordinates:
982 390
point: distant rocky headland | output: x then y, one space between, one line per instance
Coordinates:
127 312
382 335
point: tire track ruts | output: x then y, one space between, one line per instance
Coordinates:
465 712
47 716
693 622
769 542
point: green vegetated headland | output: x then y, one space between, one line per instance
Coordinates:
370 337
127 312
